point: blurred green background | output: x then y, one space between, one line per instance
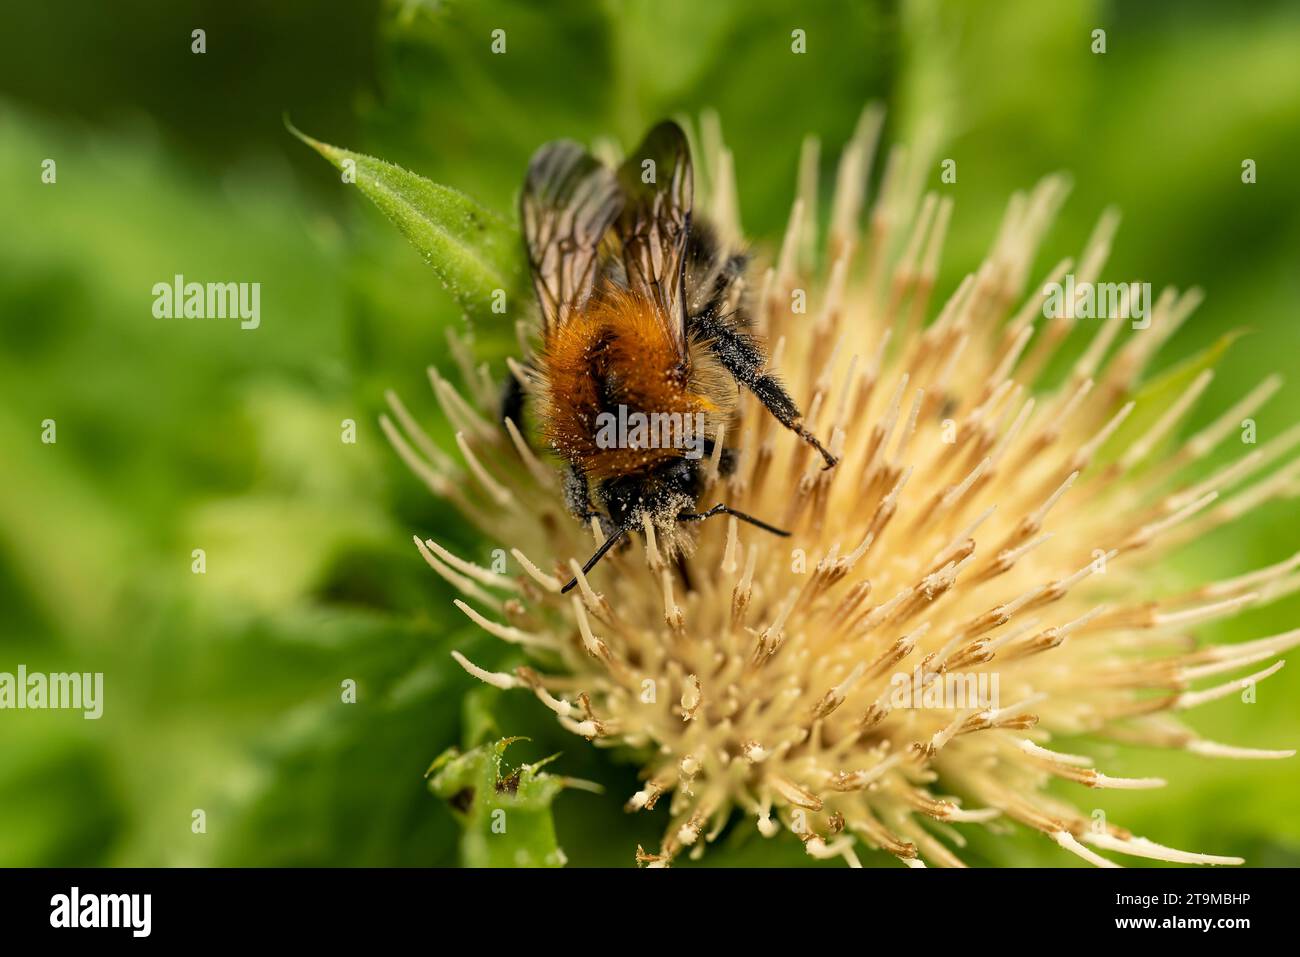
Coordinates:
222 690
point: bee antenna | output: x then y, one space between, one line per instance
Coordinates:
605 546
727 510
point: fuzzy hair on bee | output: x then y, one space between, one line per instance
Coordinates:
643 314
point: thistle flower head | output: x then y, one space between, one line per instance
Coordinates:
980 575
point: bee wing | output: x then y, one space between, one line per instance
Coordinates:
656 221
569 202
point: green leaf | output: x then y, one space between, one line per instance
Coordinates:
1155 397
475 252
506 815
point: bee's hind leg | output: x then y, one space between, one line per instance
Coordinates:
740 355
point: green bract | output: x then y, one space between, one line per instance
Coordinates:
474 251
506 814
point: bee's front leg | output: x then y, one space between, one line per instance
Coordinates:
577 495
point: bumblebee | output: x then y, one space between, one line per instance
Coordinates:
642 312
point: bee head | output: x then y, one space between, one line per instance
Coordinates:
661 493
